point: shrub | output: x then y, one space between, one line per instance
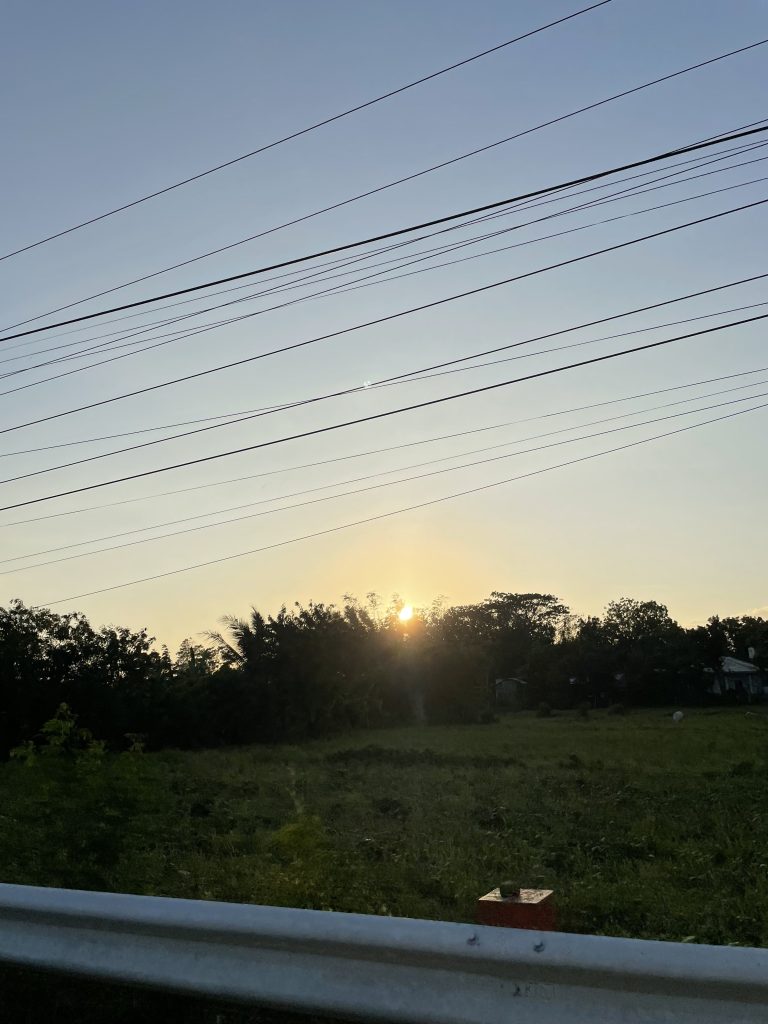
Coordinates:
582 710
70 807
543 710
617 709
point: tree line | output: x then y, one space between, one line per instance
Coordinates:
319 668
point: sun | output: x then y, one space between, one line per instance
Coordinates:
406 613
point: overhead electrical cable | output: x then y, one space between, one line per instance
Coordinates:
98 345
322 269
144 345
417 174
385 319
408 508
429 403
367 241
404 445
570 345
307 130
228 419
371 476
375 385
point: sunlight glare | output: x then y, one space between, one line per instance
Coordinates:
406 613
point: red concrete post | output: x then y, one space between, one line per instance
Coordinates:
518 908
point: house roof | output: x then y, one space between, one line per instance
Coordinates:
729 664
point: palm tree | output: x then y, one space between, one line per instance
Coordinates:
244 702
248 646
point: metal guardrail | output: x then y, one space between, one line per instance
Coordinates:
379 968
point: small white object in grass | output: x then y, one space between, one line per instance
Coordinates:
678 716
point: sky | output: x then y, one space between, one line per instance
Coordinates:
105 102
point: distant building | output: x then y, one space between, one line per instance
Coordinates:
510 692
740 679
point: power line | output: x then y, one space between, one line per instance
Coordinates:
634 190
322 269
400 511
378 416
384 319
590 323
421 373
682 165
156 341
418 174
410 444
570 345
144 345
371 476
375 385
305 131
410 177
376 238
345 494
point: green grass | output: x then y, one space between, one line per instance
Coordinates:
643 828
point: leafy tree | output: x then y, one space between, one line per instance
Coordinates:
317 668
748 631
649 647
112 677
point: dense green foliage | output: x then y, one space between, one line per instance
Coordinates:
643 827
317 670
335 799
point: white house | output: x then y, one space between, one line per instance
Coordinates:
738 677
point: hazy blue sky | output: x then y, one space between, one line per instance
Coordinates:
105 101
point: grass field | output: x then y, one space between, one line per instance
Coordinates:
643 827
